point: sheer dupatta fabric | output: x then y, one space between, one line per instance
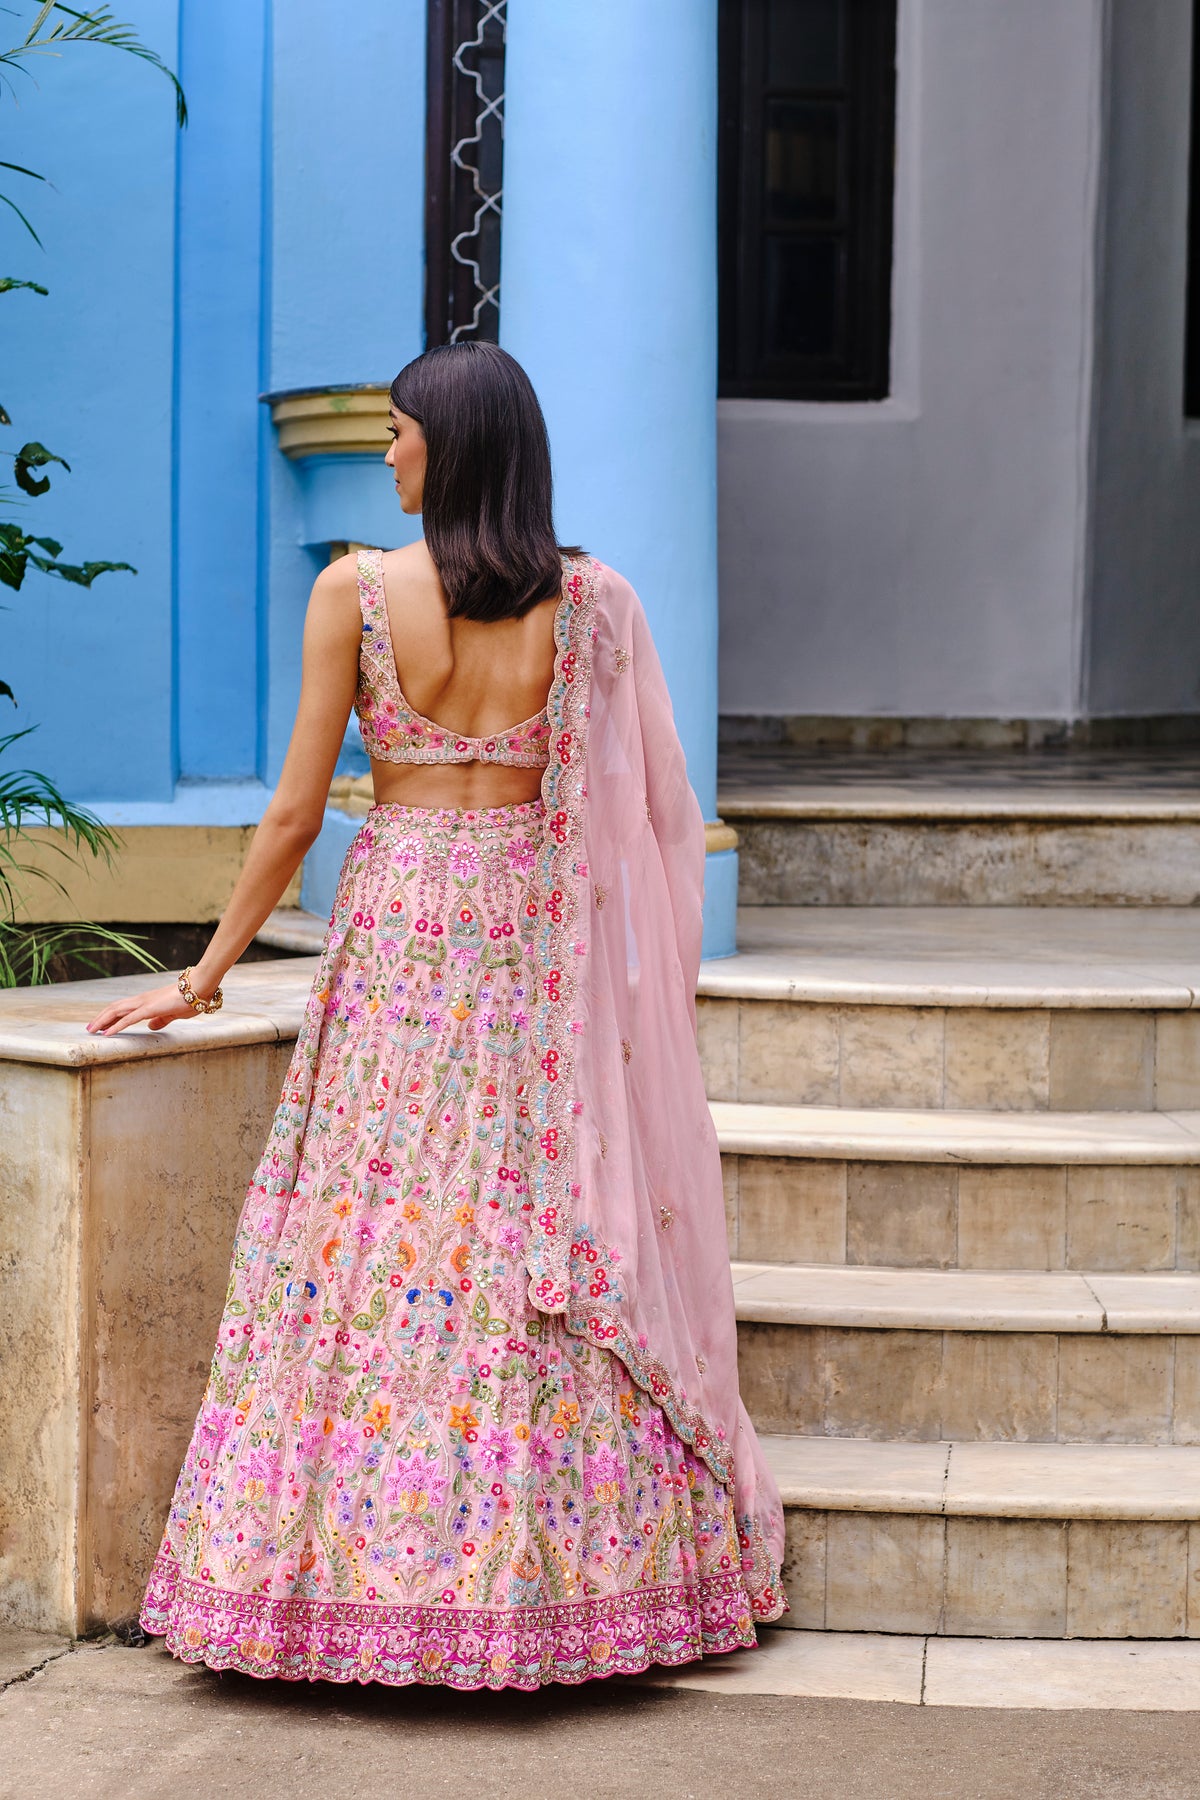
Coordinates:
629 1239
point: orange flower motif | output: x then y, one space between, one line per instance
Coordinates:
567 1414
464 1215
629 1408
379 1414
462 1418
460 1258
342 1207
412 1211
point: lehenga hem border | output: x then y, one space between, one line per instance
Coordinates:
398 1645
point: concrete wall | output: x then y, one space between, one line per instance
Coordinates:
1144 614
926 555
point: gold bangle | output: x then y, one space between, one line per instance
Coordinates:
194 1001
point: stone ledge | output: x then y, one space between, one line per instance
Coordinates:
1002 1300
1034 1139
1030 1674
988 1480
849 803
264 1004
1031 957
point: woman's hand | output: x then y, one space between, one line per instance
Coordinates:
155 1009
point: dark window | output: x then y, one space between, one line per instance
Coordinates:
464 142
1191 379
806 158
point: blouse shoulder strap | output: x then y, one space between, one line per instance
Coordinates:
369 564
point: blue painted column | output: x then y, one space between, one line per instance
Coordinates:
608 298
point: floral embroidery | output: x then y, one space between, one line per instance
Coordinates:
626 1049
401 1469
392 731
621 659
561 866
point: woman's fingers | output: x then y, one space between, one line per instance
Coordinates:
156 1009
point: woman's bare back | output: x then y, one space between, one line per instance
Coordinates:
473 678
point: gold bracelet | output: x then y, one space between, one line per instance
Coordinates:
194 1001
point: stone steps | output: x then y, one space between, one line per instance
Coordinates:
1001 1008
927 830
969 1190
990 1539
993 1300
914 1355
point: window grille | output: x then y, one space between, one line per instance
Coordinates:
464 148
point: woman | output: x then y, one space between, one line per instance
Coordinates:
473 1413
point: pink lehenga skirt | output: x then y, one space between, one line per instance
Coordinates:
401 1471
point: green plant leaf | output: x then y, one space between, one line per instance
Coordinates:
35 456
9 285
80 574
28 952
97 26
6 692
25 222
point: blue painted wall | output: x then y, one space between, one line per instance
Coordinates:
276 242
90 371
346 278
608 298
219 295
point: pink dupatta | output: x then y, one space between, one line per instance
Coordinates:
629 1218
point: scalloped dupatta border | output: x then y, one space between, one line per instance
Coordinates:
560 949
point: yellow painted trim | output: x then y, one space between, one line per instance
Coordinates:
162 874
719 836
332 422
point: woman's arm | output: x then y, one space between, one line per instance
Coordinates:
292 820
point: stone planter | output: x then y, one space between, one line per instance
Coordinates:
123 1165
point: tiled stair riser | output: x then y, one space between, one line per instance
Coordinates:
992 1577
927 1386
975 862
1035 1059
968 1216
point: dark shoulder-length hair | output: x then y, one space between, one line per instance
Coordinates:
487 508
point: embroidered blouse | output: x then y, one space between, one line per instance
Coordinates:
392 730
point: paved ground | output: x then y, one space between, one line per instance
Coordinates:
107 1722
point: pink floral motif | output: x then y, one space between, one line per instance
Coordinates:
391 730
380 1372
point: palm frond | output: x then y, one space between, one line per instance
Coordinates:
28 953
25 222
97 26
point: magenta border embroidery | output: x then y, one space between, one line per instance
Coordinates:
296 1640
561 866
562 871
